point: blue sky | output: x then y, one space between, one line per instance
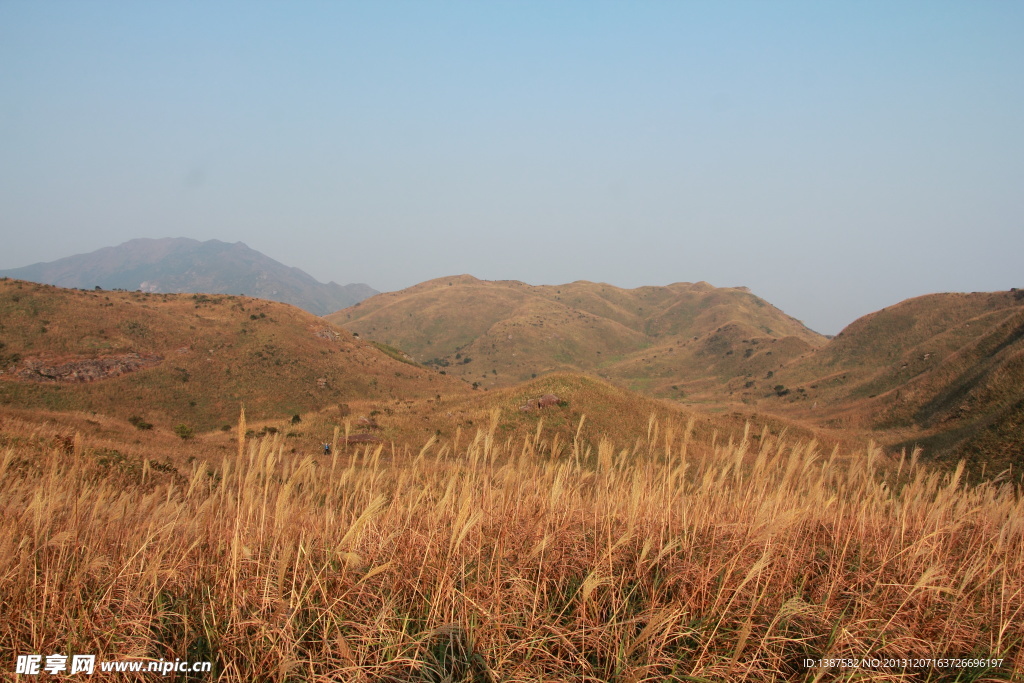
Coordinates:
834 157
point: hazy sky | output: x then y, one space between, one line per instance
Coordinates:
834 157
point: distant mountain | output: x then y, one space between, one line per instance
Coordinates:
684 339
176 265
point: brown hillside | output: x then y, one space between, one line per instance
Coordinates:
668 341
589 408
945 371
183 358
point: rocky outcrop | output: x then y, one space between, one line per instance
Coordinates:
84 370
329 335
545 401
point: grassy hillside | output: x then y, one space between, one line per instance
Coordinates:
668 341
588 409
183 358
944 370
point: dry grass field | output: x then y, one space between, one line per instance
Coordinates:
527 557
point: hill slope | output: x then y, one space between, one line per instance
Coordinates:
187 265
669 341
172 358
945 371
587 411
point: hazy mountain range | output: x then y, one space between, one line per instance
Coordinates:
185 265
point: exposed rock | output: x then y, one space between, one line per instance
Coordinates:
85 370
545 401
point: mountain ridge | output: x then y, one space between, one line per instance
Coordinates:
514 331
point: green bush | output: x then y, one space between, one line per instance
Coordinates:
140 423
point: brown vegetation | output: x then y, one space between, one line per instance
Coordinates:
451 536
682 339
943 371
529 559
97 351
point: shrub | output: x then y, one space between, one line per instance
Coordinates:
184 431
140 423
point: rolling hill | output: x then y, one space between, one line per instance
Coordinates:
944 371
176 265
588 410
680 340
127 370
186 358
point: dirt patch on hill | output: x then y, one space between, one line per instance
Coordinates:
83 370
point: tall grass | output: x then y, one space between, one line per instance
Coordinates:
532 560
